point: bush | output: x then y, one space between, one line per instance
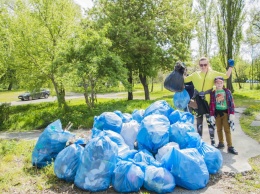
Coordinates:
4 112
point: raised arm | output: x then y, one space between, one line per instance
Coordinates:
231 64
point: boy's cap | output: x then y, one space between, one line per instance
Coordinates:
218 78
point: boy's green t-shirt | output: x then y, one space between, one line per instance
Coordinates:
221 102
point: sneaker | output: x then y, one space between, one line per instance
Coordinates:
220 146
213 143
232 150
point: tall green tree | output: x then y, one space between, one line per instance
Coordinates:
206 12
41 33
253 40
7 57
229 30
148 35
92 62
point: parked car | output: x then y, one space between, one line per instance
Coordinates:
43 93
251 81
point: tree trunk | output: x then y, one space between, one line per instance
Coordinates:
239 84
90 100
85 86
130 90
60 92
10 86
152 86
229 83
143 80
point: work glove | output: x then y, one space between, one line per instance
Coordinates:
231 63
232 117
212 119
231 121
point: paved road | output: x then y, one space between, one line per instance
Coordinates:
70 96
246 147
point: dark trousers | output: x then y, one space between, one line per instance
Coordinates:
200 127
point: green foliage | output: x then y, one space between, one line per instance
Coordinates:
40 32
38 116
4 112
147 35
92 62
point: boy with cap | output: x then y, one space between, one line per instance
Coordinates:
221 112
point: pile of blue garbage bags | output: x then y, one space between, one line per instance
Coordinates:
156 149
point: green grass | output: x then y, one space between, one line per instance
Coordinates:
249 183
9 96
16 171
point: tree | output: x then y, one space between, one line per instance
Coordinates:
229 30
147 35
7 58
253 40
92 61
206 13
41 33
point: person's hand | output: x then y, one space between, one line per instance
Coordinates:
232 117
180 67
231 63
212 119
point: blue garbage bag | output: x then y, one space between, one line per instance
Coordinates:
184 117
212 157
187 117
67 162
154 133
193 140
126 117
181 99
127 177
166 148
97 164
159 180
188 168
145 158
123 148
175 116
138 115
129 132
96 132
178 133
159 107
128 155
118 139
52 140
108 121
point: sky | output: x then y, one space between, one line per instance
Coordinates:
84 3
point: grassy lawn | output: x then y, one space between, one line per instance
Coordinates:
9 96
